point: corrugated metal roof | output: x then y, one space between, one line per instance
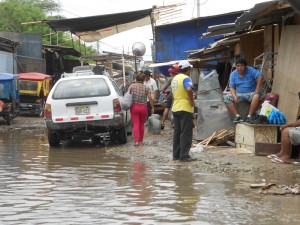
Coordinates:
8 41
200 18
65 50
226 41
295 4
215 47
242 23
251 14
225 29
110 56
220 27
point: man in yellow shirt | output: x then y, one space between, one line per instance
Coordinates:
183 109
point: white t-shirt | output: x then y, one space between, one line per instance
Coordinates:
152 86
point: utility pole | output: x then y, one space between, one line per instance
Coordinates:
198 8
98 47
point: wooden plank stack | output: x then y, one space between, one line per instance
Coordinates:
218 137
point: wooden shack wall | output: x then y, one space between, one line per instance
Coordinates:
252 45
286 81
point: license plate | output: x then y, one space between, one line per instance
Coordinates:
82 110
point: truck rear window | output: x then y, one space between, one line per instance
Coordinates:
81 88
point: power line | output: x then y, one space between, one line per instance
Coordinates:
70 12
108 45
203 2
200 4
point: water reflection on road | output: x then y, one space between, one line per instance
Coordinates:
83 184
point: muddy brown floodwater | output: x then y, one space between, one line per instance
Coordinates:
78 183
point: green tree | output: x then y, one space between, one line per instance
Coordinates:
47 6
16 13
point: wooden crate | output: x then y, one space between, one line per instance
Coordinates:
159 107
246 135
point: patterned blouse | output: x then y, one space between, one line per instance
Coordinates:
139 93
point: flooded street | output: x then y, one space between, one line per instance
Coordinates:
84 184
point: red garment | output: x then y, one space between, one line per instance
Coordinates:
138 117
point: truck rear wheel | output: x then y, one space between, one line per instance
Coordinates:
9 118
122 135
41 110
53 140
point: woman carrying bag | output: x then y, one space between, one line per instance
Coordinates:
138 110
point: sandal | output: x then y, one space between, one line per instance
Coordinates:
136 144
272 156
280 161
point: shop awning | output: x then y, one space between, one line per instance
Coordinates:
94 28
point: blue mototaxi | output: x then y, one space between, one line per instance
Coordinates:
9 96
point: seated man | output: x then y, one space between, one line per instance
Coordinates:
244 83
290 135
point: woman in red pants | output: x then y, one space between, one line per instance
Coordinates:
139 110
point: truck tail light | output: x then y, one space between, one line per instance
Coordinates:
47 111
117 105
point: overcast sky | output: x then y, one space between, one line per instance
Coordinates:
116 43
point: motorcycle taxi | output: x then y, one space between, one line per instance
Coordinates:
34 89
9 97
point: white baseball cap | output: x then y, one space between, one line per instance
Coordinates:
185 64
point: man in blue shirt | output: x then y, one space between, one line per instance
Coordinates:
244 83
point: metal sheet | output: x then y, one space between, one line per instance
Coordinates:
6 62
30 44
29 65
173 40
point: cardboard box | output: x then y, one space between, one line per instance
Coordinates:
265 149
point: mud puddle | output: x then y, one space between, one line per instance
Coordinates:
85 184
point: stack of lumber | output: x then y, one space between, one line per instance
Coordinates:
218 137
